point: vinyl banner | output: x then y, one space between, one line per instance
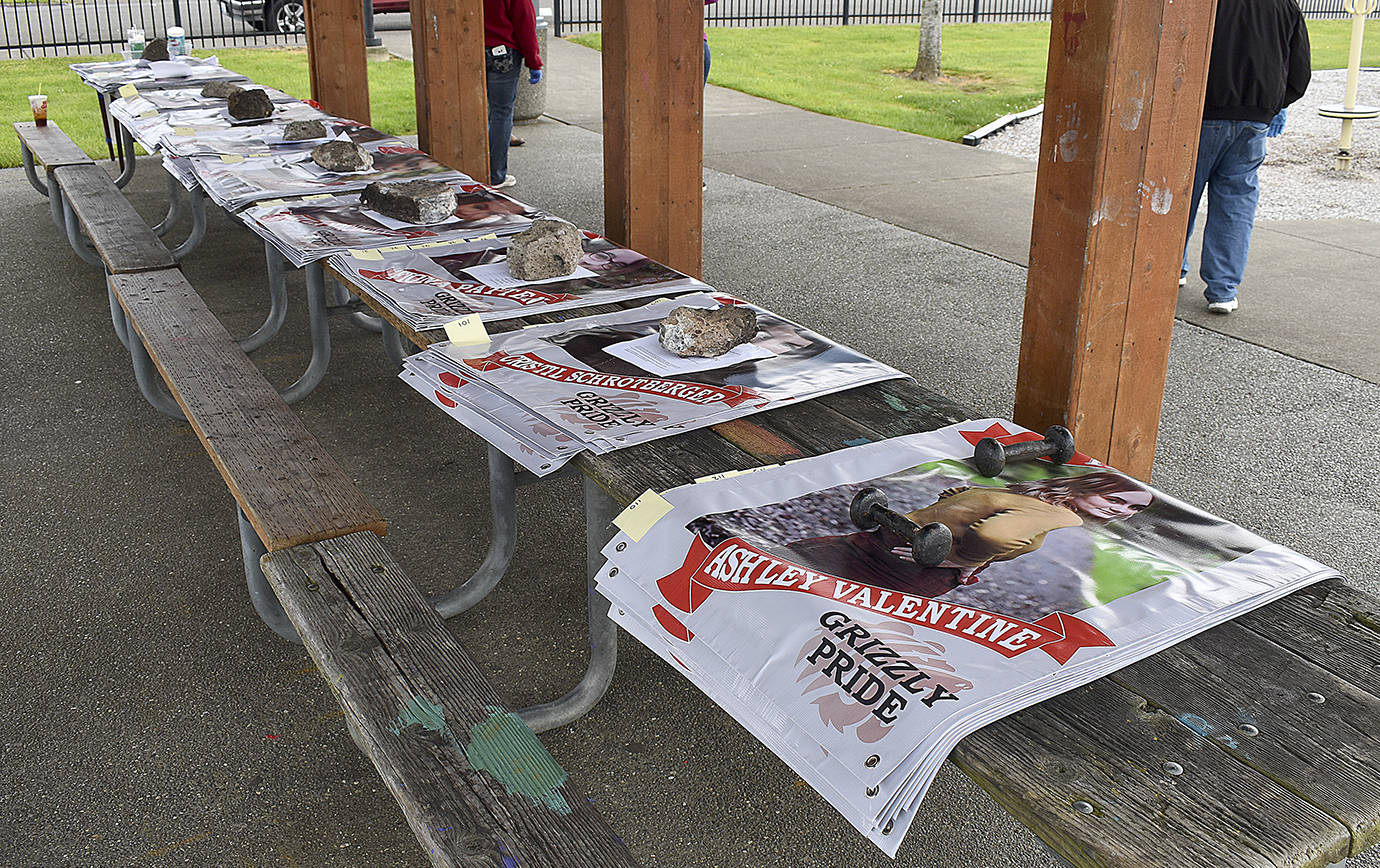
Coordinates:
862 667
428 286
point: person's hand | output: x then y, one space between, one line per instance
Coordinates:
1276 124
535 76
904 553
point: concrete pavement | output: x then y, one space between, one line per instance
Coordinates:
152 721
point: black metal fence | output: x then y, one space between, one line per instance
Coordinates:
582 16
35 28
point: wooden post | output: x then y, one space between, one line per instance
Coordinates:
452 99
1123 109
653 56
336 62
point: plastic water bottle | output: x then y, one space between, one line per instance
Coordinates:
136 42
177 42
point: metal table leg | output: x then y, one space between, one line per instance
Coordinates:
393 345
174 207
320 337
80 245
261 593
118 318
277 302
603 632
197 197
26 156
127 148
502 538
54 195
105 125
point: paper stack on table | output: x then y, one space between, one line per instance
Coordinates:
429 284
325 224
106 76
233 181
862 669
544 393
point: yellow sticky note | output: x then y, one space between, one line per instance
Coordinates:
715 477
372 255
466 331
231 158
128 91
641 514
184 131
319 196
148 114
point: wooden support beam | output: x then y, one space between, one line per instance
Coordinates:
335 57
653 56
1123 107
452 99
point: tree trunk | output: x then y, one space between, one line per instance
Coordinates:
931 24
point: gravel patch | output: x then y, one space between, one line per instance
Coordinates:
1298 180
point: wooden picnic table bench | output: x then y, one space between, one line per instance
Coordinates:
1256 743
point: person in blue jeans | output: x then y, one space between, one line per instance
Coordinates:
510 40
1260 64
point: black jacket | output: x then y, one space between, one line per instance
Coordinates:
1260 60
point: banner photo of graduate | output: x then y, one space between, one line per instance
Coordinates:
830 640
604 382
429 286
234 182
314 228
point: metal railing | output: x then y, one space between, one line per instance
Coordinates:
583 16
37 28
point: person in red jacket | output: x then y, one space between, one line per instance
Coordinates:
510 41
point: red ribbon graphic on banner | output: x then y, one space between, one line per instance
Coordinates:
521 294
735 565
692 393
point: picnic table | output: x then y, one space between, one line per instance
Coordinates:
1252 744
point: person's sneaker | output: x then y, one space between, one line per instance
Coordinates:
508 181
1222 306
515 142
1183 280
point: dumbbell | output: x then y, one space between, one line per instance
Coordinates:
991 457
929 544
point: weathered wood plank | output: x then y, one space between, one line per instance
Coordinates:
338 68
1331 625
1292 721
1125 90
1101 750
473 781
123 240
50 146
291 490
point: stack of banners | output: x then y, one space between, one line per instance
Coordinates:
545 393
314 227
862 669
234 181
155 117
429 284
107 76
265 138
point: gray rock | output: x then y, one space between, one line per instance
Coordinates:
296 131
249 104
219 89
695 331
157 49
420 203
548 248
340 156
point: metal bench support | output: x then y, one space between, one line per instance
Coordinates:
502 539
603 632
260 591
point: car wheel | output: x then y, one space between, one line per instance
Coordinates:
287 16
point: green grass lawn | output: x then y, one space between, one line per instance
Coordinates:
852 72
72 105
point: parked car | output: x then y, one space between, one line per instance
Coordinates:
287 16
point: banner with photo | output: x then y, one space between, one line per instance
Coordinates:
605 382
327 223
427 286
862 667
